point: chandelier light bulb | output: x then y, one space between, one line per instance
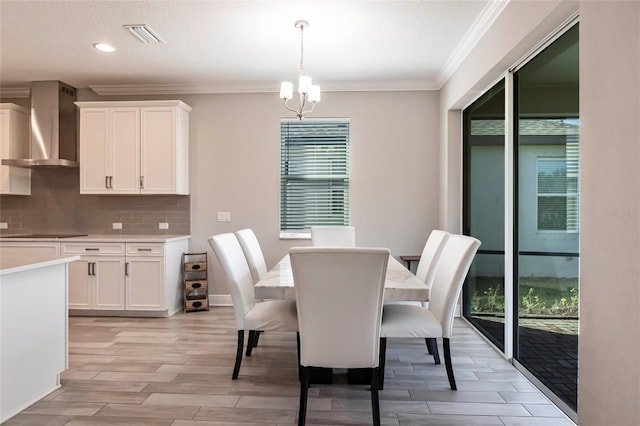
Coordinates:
314 94
286 90
304 84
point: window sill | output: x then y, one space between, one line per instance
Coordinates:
289 235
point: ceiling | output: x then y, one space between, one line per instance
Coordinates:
239 45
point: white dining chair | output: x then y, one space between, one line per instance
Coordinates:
425 272
431 256
339 293
333 236
253 253
258 267
249 314
436 320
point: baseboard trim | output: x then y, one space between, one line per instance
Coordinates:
220 300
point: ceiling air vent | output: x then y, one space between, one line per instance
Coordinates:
144 34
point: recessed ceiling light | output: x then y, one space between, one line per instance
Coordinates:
103 47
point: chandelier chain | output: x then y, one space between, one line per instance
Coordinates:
301 68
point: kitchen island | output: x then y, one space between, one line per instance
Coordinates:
33 328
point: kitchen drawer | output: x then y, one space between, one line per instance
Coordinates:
93 248
142 249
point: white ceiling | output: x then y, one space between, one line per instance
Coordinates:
239 45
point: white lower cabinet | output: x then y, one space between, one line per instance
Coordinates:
97 282
29 249
145 283
126 277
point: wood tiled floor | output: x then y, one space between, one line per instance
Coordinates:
177 371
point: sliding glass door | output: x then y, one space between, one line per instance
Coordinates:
546 265
536 323
483 217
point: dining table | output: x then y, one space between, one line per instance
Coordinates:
400 283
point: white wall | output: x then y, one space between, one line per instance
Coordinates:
609 368
609 381
235 160
235 167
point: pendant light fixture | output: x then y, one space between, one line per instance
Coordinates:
308 92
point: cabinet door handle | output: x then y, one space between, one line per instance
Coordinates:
141 182
89 268
106 182
91 249
93 268
126 269
110 182
144 249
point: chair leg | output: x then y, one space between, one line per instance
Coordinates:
432 346
381 361
304 388
299 366
375 400
255 340
250 340
429 350
447 363
236 368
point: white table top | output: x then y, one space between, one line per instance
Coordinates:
14 264
400 283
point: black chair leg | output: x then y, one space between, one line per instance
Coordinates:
447 363
381 361
299 366
257 337
252 337
236 368
429 350
375 400
304 388
432 346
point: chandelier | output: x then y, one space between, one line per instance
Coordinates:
308 93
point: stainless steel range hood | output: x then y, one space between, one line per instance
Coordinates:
54 141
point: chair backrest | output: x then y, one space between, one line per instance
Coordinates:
228 251
333 236
253 253
339 296
431 255
455 260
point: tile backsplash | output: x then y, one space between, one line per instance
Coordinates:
56 205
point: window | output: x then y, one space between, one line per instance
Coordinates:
314 173
557 195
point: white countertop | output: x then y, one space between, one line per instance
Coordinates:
105 238
14 264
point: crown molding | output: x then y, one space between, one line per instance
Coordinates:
15 92
484 21
194 89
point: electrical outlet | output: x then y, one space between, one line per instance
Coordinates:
116 225
224 216
4 225
163 225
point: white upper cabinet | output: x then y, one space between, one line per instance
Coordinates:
14 143
134 147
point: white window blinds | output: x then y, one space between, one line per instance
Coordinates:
558 193
314 173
